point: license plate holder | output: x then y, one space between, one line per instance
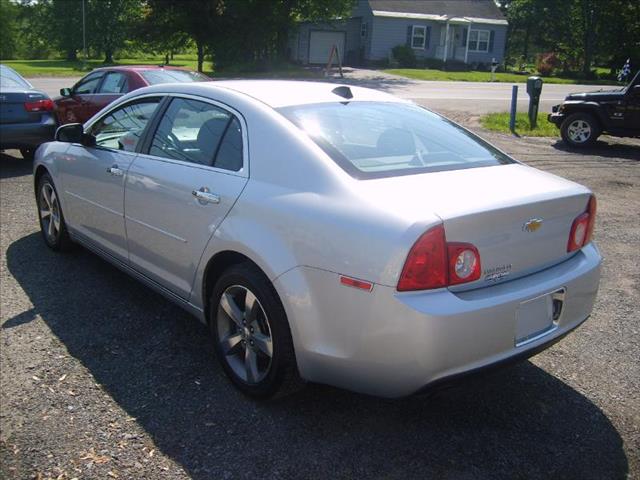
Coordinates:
538 317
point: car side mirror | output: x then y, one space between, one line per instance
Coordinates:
74 133
65 92
635 90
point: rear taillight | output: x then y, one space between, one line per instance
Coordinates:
434 263
582 227
426 264
44 105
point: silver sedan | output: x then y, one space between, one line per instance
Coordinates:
325 233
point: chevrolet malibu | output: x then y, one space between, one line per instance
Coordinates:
325 233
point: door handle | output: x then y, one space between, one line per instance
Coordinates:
115 171
205 196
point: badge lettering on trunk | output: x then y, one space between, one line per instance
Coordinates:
497 273
532 225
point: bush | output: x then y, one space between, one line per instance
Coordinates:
547 63
404 55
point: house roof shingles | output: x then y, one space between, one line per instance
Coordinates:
451 8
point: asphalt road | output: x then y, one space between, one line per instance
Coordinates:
471 97
101 378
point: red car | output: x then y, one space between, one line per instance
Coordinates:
103 85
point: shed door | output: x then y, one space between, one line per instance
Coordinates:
320 44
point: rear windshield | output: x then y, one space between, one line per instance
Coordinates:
10 79
377 139
155 77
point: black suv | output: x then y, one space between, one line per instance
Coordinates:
582 117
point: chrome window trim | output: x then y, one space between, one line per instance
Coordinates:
244 171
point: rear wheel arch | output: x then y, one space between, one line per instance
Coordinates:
216 265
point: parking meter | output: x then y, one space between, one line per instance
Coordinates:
534 90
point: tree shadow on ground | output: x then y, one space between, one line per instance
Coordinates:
157 363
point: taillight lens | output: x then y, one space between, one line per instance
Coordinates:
44 105
426 264
582 227
434 263
464 263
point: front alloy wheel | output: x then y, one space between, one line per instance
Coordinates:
52 225
580 130
49 213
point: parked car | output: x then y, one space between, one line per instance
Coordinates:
583 117
102 86
26 114
335 234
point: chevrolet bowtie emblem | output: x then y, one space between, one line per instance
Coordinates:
532 225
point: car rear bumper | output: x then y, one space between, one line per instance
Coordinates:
393 344
27 135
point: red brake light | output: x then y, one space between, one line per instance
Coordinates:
44 105
582 227
426 264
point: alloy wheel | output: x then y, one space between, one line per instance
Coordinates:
49 212
579 131
244 334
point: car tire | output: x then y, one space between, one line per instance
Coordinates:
248 322
580 130
28 153
52 225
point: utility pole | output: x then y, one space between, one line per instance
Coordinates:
84 33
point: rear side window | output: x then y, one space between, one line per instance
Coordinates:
114 82
378 139
88 84
155 77
198 132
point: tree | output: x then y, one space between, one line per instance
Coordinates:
8 31
196 18
111 23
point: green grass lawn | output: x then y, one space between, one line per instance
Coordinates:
65 68
429 74
499 122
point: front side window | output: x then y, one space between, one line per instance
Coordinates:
198 132
122 128
479 40
88 84
114 82
380 139
419 36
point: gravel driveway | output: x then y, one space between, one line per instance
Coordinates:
101 378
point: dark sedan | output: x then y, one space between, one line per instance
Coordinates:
103 85
26 114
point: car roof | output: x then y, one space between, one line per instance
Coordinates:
282 93
134 68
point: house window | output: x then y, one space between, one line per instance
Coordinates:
364 29
418 36
479 40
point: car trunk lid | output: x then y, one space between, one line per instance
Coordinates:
12 106
517 217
